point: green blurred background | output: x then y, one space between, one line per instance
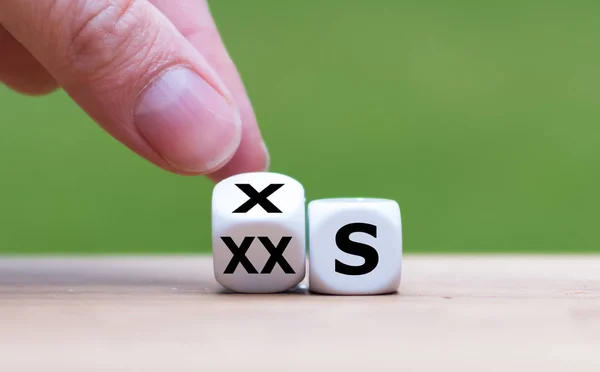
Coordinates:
479 118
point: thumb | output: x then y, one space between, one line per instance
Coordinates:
129 68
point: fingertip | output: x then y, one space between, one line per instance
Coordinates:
32 89
252 156
20 71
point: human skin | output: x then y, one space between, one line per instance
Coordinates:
154 74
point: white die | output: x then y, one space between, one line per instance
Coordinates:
257 215
355 246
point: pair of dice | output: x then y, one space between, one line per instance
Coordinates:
259 236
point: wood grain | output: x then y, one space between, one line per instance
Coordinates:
452 313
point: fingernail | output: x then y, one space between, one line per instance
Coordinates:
267 157
184 119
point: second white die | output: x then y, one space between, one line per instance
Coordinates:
355 246
259 232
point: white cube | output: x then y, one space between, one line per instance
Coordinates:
259 232
355 246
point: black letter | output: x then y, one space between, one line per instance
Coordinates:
342 239
258 198
276 255
239 255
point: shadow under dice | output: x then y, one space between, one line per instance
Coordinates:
258 232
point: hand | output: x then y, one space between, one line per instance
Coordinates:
153 73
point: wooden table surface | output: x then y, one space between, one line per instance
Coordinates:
452 313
